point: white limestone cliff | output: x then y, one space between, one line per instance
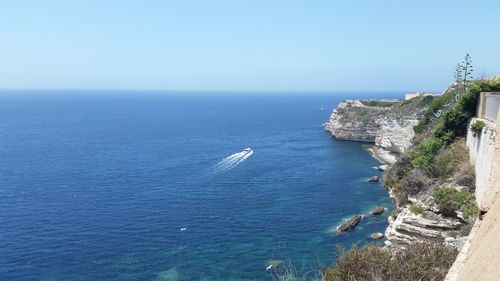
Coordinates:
389 127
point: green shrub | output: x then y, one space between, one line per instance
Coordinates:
425 101
390 179
422 261
450 201
421 102
416 209
423 154
393 182
454 120
477 127
364 114
402 166
419 261
420 127
416 181
439 103
443 165
401 196
453 124
359 264
436 105
393 179
450 159
379 103
465 176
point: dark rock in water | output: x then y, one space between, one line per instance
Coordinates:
377 211
374 179
377 235
351 223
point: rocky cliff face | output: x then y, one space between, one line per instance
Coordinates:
396 133
409 227
388 124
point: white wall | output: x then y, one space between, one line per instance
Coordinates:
492 105
481 150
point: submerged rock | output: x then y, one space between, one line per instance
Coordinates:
376 235
277 266
374 179
350 223
377 211
168 275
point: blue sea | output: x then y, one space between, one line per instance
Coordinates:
131 185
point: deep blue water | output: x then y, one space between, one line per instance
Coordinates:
98 185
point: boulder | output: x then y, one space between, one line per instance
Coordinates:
374 179
376 235
350 223
383 167
377 211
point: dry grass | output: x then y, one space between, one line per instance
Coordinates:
420 261
288 272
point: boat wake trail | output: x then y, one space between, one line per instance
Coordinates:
231 161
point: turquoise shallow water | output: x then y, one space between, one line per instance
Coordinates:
134 185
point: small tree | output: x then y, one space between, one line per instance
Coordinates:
458 72
463 74
467 70
458 79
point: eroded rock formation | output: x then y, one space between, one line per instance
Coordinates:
389 126
408 227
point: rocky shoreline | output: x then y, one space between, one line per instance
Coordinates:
385 157
391 132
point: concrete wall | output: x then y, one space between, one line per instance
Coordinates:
492 106
489 105
481 150
479 259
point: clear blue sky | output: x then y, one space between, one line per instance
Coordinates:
244 45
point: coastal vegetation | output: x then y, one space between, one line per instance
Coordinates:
417 101
422 101
450 201
433 179
379 103
419 261
438 154
477 127
375 122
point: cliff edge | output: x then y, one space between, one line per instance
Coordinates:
386 123
445 181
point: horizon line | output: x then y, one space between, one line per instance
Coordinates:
214 91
